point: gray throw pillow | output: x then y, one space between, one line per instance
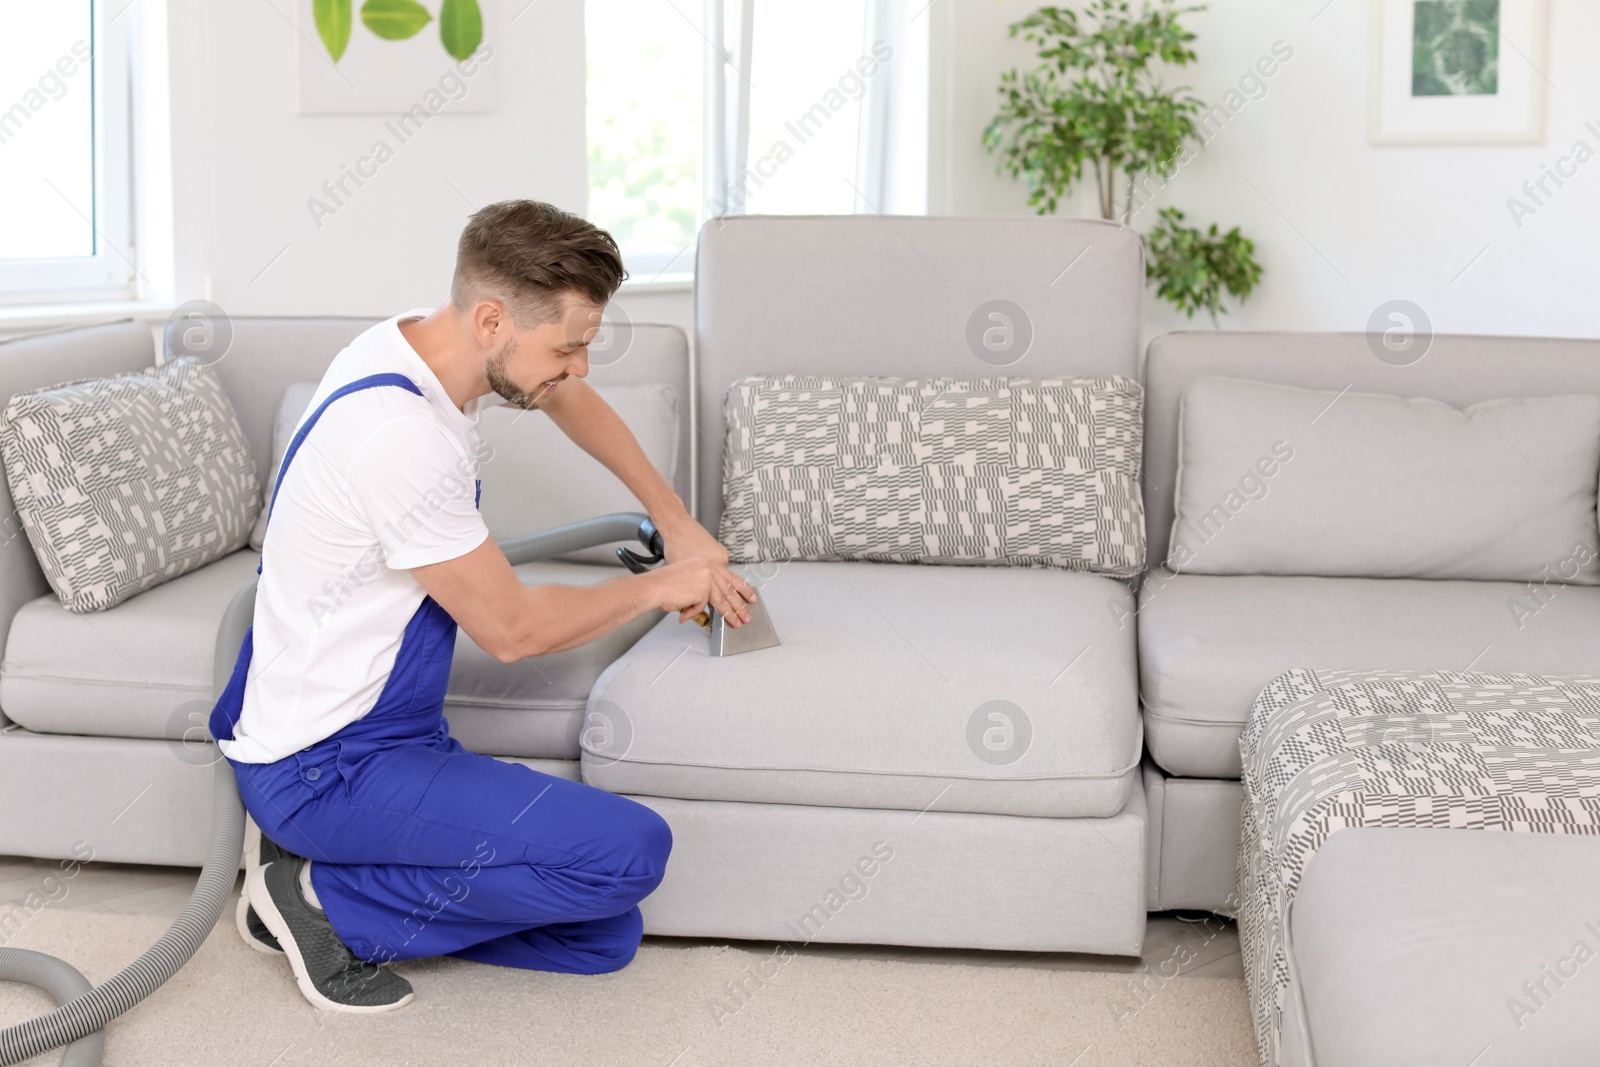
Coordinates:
1274 479
125 482
1000 471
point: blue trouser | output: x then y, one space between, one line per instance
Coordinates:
422 848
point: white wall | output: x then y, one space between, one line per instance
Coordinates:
1340 225
1393 221
247 162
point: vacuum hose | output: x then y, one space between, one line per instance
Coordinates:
84 1009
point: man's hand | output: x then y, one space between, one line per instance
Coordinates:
686 539
691 585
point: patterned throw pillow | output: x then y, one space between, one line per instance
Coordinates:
125 482
1003 471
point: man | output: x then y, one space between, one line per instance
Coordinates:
381 837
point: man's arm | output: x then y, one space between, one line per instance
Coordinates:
510 620
401 467
593 426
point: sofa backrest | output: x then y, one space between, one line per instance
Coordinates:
872 295
36 361
266 355
1458 369
269 354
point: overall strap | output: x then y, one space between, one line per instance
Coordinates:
371 381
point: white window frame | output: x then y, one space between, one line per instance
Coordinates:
892 159
108 273
726 96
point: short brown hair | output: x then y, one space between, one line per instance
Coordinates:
526 254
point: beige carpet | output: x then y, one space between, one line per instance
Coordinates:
673 1007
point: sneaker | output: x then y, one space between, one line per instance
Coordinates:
253 930
258 849
327 972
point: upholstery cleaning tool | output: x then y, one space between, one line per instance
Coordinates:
725 640
86 1009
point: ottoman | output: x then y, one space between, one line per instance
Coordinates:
1328 751
1445 947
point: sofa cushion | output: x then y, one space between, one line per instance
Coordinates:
129 481
1278 480
849 295
1208 644
1009 471
1413 946
268 354
534 707
1459 369
143 668
972 689
136 670
286 419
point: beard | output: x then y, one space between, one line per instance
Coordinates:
501 383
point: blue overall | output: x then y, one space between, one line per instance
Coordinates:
423 848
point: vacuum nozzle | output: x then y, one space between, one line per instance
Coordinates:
726 640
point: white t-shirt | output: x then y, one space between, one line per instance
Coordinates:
385 481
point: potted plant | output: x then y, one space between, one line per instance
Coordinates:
1096 101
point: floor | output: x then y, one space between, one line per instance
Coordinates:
1176 944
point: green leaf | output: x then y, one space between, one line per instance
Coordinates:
333 24
460 27
395 20
1096 101
1194 266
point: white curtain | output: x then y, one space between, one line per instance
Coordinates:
892 149
892 157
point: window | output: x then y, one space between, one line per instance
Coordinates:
703 108
64 185
806 91
643 119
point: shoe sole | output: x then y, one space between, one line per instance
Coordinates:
267 912
252 845
241 922
252 860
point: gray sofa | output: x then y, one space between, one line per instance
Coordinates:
829 789
1208 643
787 768
102 736
836 804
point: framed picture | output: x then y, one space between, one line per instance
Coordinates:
1458 71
